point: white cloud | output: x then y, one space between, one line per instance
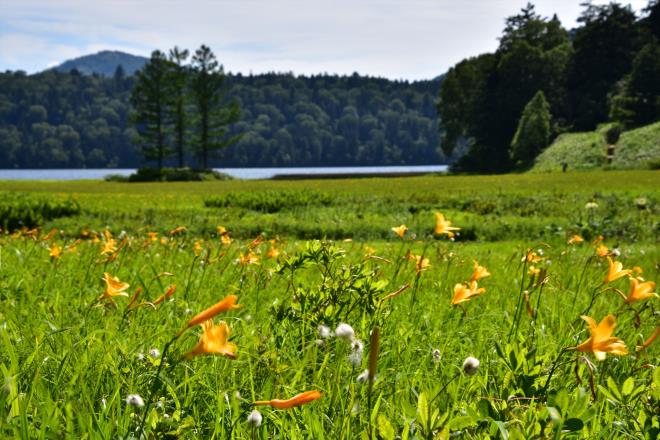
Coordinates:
397 39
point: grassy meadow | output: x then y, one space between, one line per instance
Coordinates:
421 333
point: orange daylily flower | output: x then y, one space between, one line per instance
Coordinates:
297 400
479 272
615 271
55 251
250 258
273 252
575 239
109 246
640 291
153 236
50 235
198 248
650 340
443 226
214 341
114 287
462 293
221 230
421 264
226 304
601 341
178 230
533 271
168 293
400 230
225 239
532 257
602 250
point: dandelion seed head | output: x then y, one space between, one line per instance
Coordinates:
357 346
436 355
255 418
355 358
363 377
154 353
324 331
471 365
319 342
615 252
345 331
140 356
134 400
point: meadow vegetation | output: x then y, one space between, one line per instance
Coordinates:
412 308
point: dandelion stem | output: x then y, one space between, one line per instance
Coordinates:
516 316
552 370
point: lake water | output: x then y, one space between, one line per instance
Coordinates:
241 173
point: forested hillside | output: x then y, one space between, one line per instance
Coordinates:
55 119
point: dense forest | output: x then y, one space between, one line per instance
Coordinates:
55 119
544 80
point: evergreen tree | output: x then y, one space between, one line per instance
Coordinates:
533 131
213 116
151 102
178 84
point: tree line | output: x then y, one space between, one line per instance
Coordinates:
69 120
505 107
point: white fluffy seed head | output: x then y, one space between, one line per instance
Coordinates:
357 346
470 365
355 358
363 377
255 418
324 331
436 355
154 353
345 331
134 400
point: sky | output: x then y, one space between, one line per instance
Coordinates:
405 39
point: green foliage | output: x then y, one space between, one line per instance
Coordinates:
104 63
172 175
635 149
22 210
533 131
287 120
152 100
271 201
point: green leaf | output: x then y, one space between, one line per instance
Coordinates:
573 424
385 428
628 386
423 410
611 385
502 428
461 422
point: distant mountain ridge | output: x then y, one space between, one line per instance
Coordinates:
104 63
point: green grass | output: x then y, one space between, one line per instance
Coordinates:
584 151
69 361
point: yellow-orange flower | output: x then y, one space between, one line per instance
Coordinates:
532 257
114 287
462 293
297 400
615 271
640 291
109 246
601 341
650 340
575 239
178 230
250 258
479 272
168 293
273 252
533 271
214 341
153 236
198 248
443 226
55 251
421 263
400 230
226 304
225 239
221 230
602 250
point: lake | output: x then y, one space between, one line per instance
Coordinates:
240 173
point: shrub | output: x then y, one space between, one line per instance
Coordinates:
22 210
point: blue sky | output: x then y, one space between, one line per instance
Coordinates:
411 39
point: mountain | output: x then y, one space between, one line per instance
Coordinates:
104 63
